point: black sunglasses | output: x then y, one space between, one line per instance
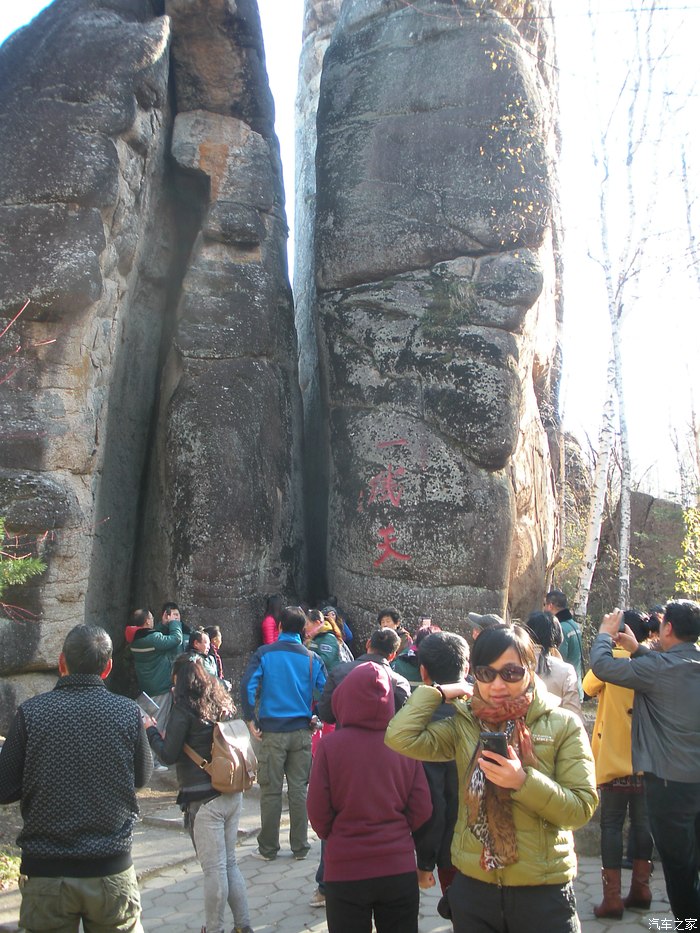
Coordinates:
509 673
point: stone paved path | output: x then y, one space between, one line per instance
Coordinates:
279 891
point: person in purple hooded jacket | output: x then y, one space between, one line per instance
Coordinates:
365 800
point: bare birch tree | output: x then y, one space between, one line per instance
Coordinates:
621 155
606 439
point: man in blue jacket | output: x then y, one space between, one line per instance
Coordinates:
281 680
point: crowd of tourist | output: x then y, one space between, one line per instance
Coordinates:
416 759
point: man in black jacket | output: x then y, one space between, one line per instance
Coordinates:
381 649
74 758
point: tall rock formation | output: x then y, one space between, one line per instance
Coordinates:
151 419
225 501
436 277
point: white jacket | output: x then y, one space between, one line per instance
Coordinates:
561 681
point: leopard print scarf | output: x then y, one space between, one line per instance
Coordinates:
489 807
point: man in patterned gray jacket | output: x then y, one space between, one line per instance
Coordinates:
74 758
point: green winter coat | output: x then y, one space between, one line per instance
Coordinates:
153 653
558 796
325 645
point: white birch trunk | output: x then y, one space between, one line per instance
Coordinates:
621 269
595 516
623 572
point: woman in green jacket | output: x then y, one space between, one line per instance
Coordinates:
513 845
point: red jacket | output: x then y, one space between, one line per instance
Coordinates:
365 799
270 630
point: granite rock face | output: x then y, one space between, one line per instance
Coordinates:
150 413
435 259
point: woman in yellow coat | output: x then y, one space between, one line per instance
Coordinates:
619 788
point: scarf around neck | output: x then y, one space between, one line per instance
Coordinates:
489 807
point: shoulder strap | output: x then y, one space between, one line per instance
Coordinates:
311 678
197 759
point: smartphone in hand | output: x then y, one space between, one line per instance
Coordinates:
148 705
495 742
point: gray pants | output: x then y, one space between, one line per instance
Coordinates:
215 836
284 753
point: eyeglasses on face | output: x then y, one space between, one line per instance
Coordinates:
509 673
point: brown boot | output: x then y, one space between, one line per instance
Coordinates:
640 892
611 905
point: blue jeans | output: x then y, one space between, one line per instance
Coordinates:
215 836
613 807
674 812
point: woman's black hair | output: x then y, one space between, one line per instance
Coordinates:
393 614
496 639
274 605
545 629
638 622
199 693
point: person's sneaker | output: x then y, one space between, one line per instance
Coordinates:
318 900
300 856
242 930
157 766
263 858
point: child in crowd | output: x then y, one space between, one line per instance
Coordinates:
443 658
215 642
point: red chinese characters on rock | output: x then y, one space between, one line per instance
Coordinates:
385 488
386 546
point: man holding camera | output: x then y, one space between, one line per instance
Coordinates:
665 737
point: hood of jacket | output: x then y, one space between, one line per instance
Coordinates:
410 656
364 698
